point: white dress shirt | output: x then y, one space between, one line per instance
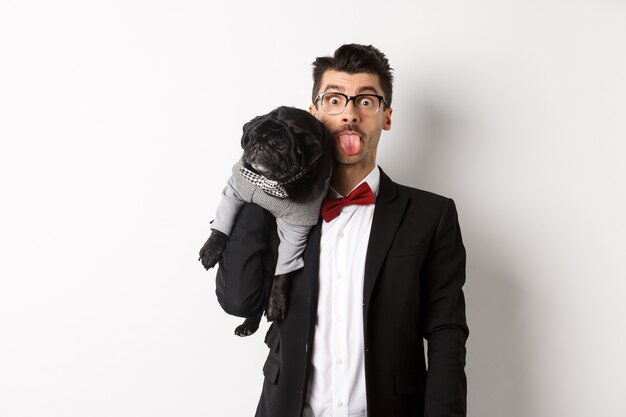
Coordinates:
337 376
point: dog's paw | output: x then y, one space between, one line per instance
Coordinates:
209 259
248 327
277 304
212 249
276 309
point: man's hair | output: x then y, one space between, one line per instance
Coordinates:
353 58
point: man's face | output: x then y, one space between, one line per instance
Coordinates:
356 136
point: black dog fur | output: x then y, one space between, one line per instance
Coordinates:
279 146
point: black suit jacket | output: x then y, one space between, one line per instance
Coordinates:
414 273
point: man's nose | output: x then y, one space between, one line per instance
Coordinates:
350 113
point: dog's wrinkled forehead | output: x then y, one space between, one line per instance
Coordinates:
262 130
302 131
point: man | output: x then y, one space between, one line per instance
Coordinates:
380 275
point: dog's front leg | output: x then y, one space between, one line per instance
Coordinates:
278 301
212 249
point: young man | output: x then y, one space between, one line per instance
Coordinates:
384 270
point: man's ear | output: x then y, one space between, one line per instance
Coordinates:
387 123
313 110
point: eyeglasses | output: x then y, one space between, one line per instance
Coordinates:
334 103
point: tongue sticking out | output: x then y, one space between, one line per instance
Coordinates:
350 143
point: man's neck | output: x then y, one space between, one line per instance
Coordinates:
346 177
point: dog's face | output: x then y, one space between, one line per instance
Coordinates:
283 143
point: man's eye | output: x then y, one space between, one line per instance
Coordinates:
366 102
333 100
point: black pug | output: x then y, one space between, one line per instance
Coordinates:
285 168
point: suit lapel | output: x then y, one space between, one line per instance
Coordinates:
311 259
388 214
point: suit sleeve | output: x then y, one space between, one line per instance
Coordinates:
445 326
247 266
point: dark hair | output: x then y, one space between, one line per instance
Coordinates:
353 58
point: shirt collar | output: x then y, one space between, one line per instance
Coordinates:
372 179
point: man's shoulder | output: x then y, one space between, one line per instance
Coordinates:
420 193
424 197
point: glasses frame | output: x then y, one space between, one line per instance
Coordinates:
381 100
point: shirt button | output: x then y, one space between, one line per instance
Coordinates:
338 274
339 361
340 235
340 404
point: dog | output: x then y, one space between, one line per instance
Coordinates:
287 154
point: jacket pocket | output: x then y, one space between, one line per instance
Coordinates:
410 382
402 250
272 364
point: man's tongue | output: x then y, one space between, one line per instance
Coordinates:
350 143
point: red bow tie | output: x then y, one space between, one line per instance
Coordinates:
331 207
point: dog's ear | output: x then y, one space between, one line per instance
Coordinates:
248 129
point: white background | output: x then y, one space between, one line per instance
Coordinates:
119 122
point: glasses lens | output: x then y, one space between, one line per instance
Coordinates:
367 104
333 103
